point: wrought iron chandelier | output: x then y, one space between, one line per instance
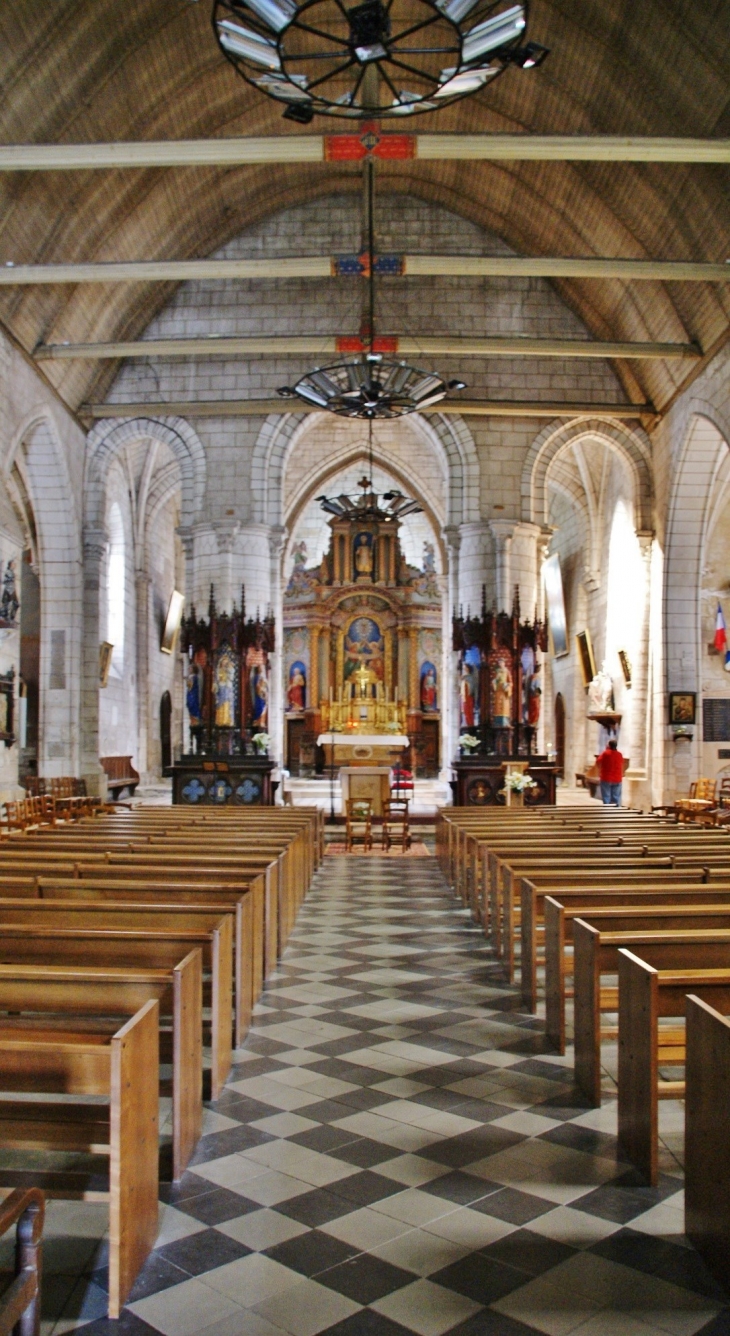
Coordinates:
374 59
370 386
371 505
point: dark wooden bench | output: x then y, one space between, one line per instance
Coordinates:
120 774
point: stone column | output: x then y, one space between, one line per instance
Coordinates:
502 531
277 540
524 567
142 589
95 548
450 715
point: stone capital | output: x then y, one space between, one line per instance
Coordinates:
96 543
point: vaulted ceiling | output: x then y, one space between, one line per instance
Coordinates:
93 70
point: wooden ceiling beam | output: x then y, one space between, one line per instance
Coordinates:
303 148
214 408
332 346
312 266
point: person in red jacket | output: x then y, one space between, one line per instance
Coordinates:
611 770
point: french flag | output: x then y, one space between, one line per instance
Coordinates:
721 644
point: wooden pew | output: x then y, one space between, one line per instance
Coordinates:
596 908
597 952
218 900
647 994
575 889
123 1067
147 947
88 990
707 1135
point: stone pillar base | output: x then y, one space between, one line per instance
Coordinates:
96 783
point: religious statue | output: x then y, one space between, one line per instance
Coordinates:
364 555
501 692
296 691
223 686
9 603
195 687
259 688
600 692
428 687
467 693
531 689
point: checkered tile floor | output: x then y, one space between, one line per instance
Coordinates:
395 1154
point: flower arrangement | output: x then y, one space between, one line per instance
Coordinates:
261 742
468 742
518 783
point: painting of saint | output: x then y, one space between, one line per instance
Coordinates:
469 688
194 688
297 689
224 679
363 555
429 700
500 690
259 689
364 647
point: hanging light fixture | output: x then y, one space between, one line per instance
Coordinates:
372 385
390 505
371 59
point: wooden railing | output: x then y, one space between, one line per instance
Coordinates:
20 1306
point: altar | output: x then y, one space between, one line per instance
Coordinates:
362 650
367 784
363 749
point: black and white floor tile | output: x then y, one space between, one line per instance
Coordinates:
395 1153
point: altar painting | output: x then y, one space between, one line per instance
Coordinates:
469 688
429 693
364 648
296 692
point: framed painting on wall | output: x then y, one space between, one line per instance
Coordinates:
682 708
172 622
585 656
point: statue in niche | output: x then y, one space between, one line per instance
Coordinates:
364 559
467 692
501 691
531 688
223 688
429 700
600 692
297 689
9 603
195 686
259 688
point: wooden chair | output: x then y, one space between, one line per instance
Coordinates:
395 822
701 800
359 817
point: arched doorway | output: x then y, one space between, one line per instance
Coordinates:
560 735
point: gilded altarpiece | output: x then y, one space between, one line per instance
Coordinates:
362 643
